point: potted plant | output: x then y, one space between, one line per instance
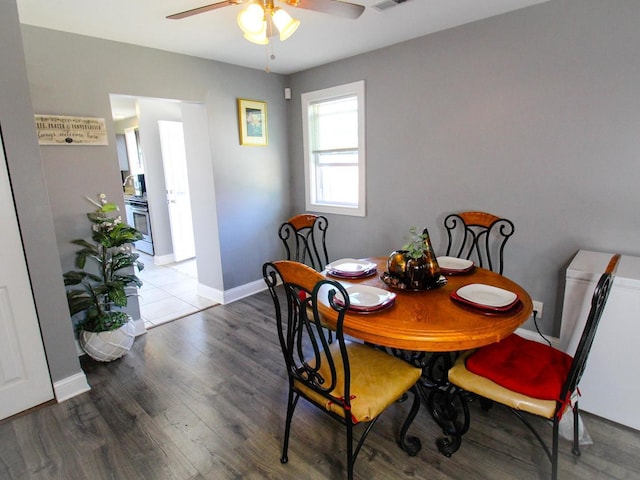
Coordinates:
414 266
100 291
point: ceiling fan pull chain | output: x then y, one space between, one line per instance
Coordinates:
269 56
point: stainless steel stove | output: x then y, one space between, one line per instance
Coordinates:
137 209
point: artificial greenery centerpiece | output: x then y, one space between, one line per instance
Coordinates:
414 266
101 295
415 245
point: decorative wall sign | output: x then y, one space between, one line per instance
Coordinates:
63 130
252 116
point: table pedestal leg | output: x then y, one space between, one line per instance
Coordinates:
446 403
411 444
448 407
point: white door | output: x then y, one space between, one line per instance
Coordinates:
24 374
132 141
174 161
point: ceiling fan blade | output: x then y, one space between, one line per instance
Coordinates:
206 8
332 7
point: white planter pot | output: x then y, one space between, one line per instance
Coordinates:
108 346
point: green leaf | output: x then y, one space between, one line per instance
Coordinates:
83 243
101 289
128 280
109 207
117 294
74 277
79 301
415 244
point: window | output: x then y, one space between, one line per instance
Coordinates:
333 138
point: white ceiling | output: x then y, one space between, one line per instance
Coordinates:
215 35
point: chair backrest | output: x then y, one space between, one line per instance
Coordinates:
598 302
304 238
478 236
304 346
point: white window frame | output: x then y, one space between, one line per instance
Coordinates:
307 99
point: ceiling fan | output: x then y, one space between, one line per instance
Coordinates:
332 7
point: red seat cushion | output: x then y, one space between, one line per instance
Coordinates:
524 366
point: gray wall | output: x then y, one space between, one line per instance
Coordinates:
32 204
533 115
251 183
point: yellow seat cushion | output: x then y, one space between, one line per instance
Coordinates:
463 378
377 380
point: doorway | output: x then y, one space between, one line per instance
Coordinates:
171 280
174 162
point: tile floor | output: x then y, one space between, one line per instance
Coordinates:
169 291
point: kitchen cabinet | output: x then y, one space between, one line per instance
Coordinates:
609 385
134 151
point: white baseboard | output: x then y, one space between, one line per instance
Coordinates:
139 326
229 296
163 259
70 387
243 291
210 293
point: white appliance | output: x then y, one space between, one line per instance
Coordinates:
610 387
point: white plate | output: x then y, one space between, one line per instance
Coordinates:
365 296
454 263
350 266
487 295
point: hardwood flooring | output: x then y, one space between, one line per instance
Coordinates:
203 398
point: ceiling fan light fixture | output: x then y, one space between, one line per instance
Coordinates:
285 24
251 20
259 38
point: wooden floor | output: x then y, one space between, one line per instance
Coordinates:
203 398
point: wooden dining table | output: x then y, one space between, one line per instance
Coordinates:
428 328
430 320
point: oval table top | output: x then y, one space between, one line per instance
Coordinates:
430 320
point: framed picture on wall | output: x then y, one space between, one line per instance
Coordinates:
252 118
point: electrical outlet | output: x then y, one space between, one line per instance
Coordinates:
537 306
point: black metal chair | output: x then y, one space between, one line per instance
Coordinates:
478 236
534 378
304 239
351 382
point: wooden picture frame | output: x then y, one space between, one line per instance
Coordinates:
252 120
